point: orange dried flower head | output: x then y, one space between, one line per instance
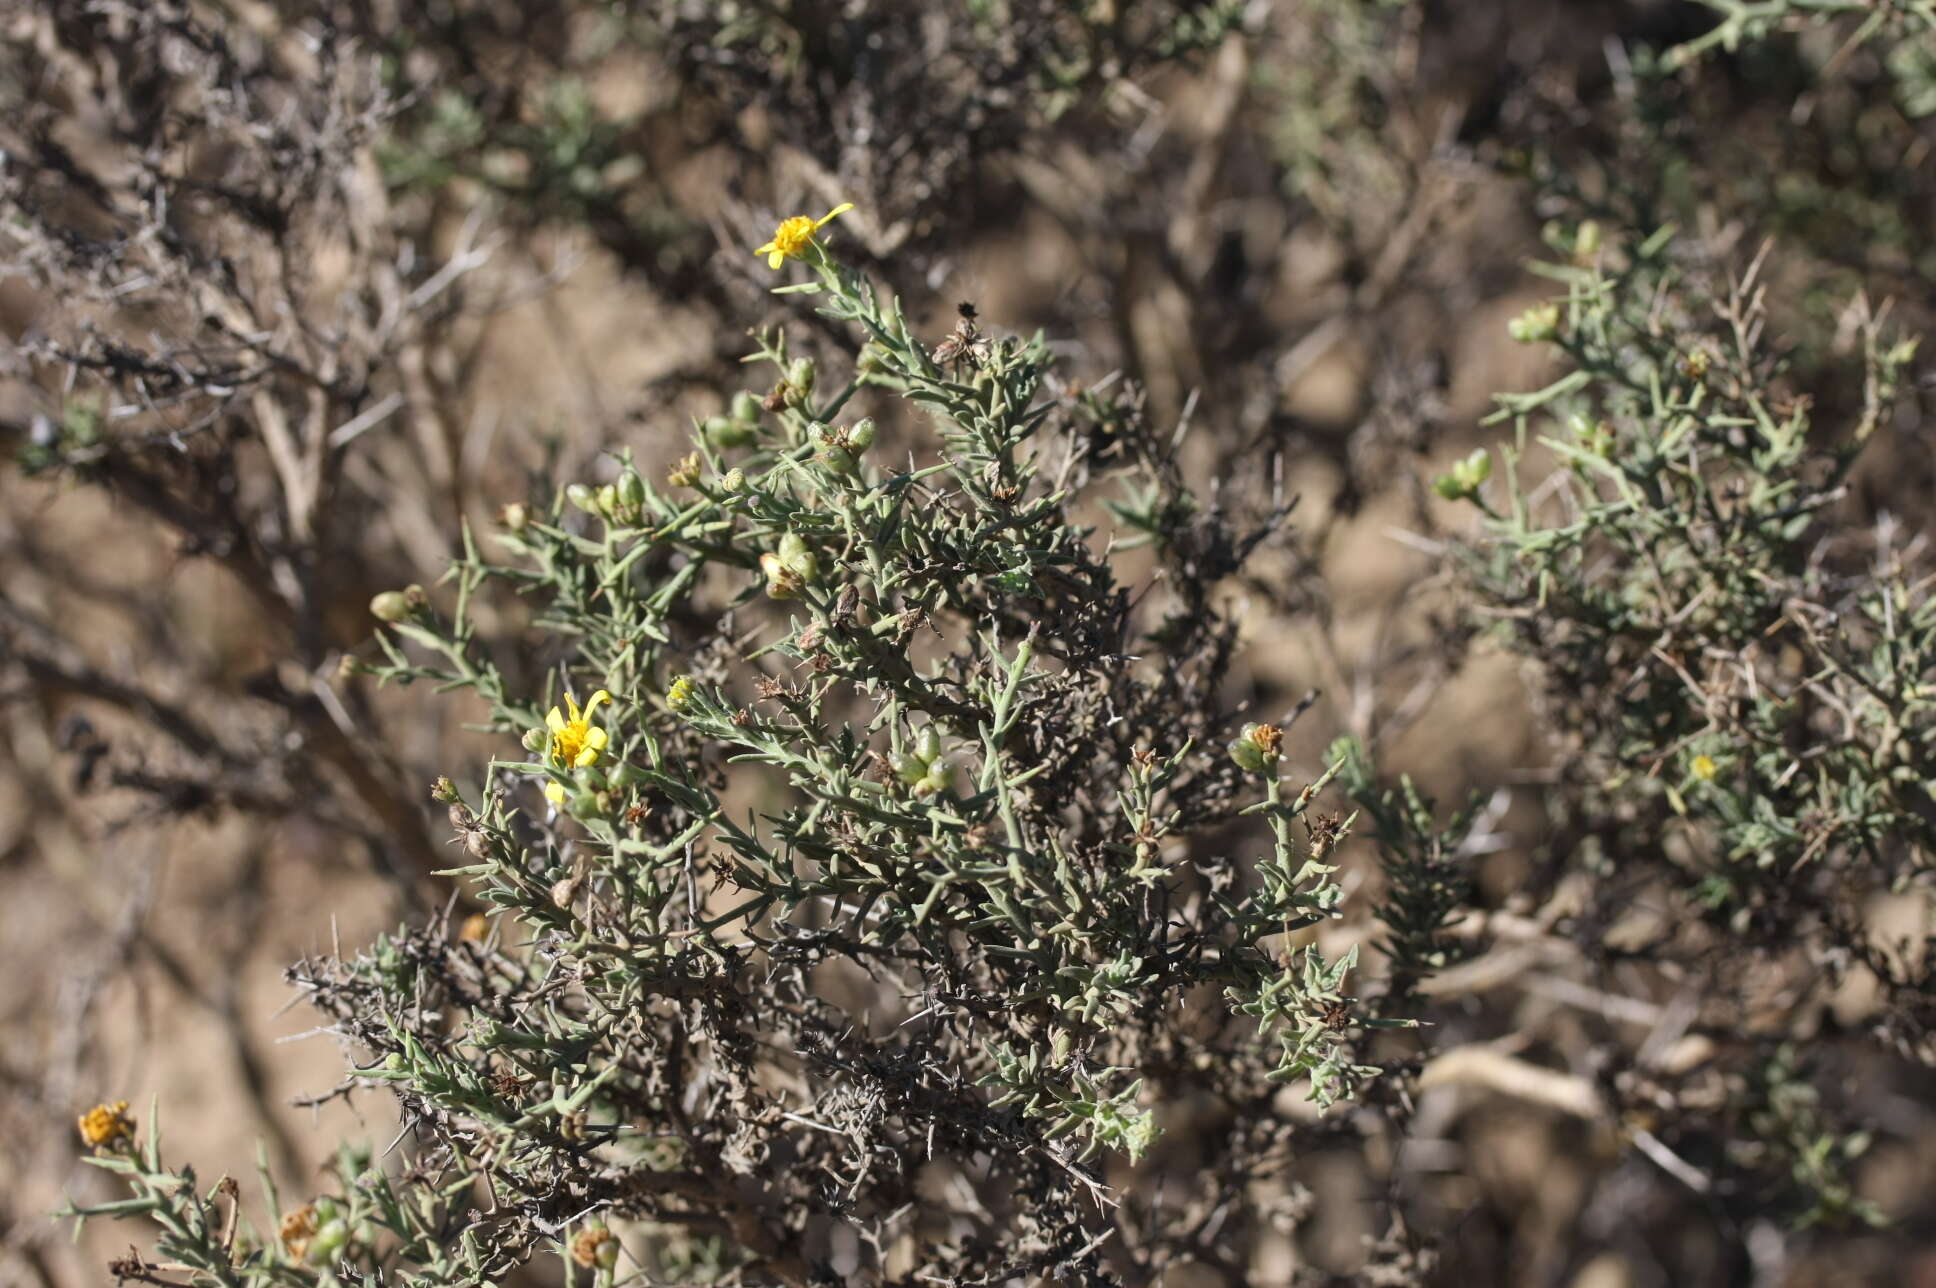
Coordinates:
298 1226
596 1246
106 1126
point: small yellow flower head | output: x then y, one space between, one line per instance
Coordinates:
575 741
679 696
1703 767
794 236
105 1126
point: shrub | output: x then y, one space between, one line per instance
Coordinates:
895 845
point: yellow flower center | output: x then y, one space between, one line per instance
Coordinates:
793 237
576 741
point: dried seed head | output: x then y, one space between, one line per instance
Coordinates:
595 1246
297 1228
685 473
1256 749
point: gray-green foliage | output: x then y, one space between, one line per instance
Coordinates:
1735 670
1725 645
906 839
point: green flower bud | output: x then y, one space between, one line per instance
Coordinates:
928 745
1257 748
909 768
536 740
1539 323
582 497
329 1240
721 433
781 581
1464 479
745 408
840 461
798 557
631 489
734 480
939 778
679 695
800 375
861 436
607 500
515 516
1475 469
390 606
1247 755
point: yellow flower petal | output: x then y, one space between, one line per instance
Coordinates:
766 249
833 214
571 705
589 756
555 793
775 259
601 696
555 721
597 739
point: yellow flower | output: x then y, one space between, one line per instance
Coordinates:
792 238
575 742
106 1125
1703 767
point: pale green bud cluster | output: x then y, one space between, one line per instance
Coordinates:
1462 481
620 502
923 769
790 569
